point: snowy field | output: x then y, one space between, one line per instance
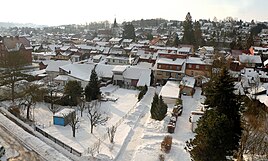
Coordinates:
84 140
137 138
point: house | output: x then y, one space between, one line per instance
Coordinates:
118 75
199 68
52 67
256 50
63 117
13 45
115 41
187 85
126 42
78 72
250 61
169 69
119 60
136 76
170 92
207 51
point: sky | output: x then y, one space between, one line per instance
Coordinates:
59 12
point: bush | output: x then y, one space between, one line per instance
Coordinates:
166 144
143 91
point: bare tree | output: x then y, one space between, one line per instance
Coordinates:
95 148
81 105
111 133
94 114
53 90
74 120
32 93
254 139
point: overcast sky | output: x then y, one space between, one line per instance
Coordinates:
57 12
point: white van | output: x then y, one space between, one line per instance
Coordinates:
2 151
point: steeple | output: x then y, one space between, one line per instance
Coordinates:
115 23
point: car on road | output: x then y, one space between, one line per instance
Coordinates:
2 150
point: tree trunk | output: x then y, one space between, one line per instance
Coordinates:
81 113
28 112
13 90
73 128
91 130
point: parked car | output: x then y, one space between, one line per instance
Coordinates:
177 110
2 150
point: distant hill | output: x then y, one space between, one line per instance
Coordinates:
12 24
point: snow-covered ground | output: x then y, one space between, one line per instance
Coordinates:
84 140
155 131
138 137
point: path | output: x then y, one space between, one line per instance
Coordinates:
134 139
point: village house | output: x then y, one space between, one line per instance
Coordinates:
169 69
198 68
52 68
115 41
13 45
250 61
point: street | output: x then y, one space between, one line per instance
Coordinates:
15 151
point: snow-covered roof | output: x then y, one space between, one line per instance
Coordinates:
53 66
64 112
195 60
250 59
184 50
171 90
115 39
64 48
105 71
37 72
188 81
80 71
127 40
170 61
62 78
141 74
120 68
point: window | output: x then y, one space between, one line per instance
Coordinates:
178 67
159 66
170 67
190 65
197 66
167 74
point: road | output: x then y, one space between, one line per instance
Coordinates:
15 151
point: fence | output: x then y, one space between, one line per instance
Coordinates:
67 147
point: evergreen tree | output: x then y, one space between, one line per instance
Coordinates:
92 90
176 40
250 41
188 36
158 108
220 96
73 91
198 34
213 135
142 92
129 31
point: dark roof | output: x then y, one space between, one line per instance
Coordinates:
13 42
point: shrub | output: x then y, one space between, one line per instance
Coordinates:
166 144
